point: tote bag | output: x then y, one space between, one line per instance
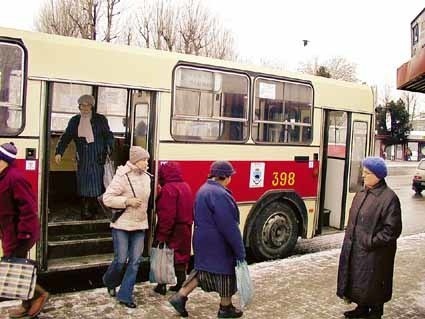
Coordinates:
18 277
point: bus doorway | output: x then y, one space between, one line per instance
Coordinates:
345 145
72 241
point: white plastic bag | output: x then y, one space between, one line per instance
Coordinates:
162 265
109 171
244 283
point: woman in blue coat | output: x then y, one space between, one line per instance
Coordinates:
217 243
93 140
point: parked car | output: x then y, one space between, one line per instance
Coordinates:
418 183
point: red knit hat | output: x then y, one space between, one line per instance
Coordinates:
8 152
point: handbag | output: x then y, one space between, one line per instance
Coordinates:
18 277
162 265
115 213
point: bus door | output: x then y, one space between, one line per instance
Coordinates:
346 139
143 124
73 241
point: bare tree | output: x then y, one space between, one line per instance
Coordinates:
338 68
410 101
386 94
54 18
111 6
79 18
186 27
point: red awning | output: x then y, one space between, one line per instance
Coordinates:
411 75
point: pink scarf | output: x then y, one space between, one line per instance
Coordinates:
85 129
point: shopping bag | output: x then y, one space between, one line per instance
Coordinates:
109 171
18 277
162 265
244 283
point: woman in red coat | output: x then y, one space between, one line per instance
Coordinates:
175 218
19 225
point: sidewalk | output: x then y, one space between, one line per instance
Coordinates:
293 288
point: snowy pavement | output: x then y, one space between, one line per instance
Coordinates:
300 287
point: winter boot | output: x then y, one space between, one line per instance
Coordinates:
179 303
359 312
229 311
181 277
85 209
376 312
161 289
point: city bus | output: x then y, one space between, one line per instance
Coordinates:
296 141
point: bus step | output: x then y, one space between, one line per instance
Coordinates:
65 237
79 247
81 262
77 228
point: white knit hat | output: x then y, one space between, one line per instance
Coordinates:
138 153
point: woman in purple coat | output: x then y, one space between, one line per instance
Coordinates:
175 218
217 243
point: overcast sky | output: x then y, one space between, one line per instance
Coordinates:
374 34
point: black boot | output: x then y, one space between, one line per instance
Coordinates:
181 277
161 289
85 212
359 312
179 303
376 312
93 206
229 311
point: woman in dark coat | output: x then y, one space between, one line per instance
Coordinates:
19 225
175 218
93 140
366 264
217 243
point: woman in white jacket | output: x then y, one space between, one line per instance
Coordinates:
128 231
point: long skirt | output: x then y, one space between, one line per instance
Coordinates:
224 285
90 180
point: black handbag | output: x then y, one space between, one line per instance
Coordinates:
115 213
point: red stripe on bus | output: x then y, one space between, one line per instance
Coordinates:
302 177
30 175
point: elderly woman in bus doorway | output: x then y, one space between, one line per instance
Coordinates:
130 190
217 243
20 228
93 139
366 264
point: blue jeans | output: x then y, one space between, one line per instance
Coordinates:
128 249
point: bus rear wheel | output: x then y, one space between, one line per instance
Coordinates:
274 233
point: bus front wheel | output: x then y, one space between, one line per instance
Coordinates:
275 232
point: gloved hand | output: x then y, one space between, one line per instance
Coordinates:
21 251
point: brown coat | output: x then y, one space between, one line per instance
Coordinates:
366 265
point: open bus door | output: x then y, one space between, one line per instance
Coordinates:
143 119
346 142
72 242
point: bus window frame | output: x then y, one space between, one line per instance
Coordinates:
209 68
21 45
284 123
94 92
350 190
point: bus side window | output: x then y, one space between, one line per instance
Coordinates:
12 69
209 106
